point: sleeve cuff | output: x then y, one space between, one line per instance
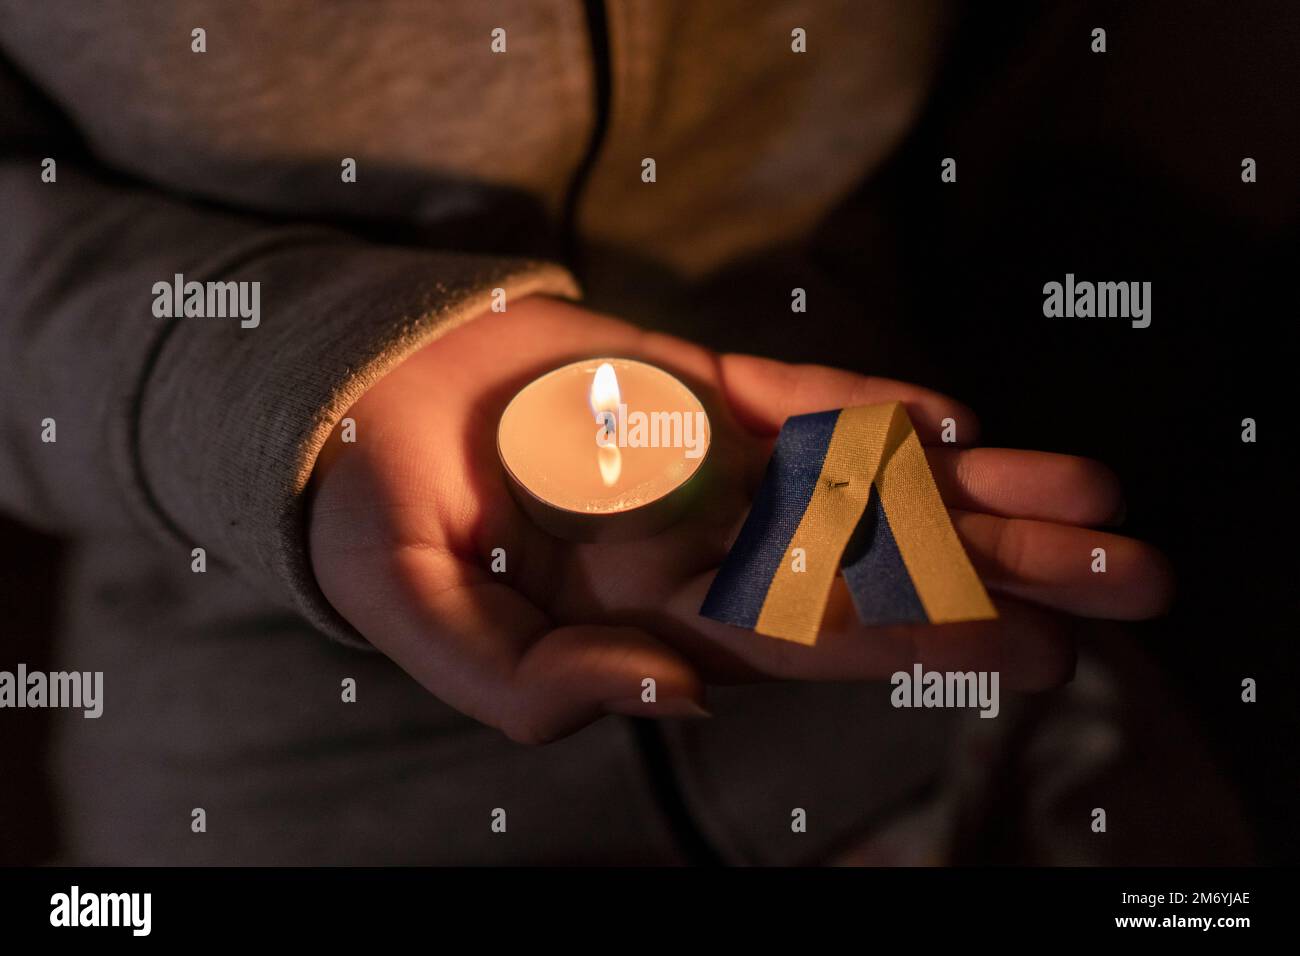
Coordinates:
231 420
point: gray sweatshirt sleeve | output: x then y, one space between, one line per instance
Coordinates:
198 429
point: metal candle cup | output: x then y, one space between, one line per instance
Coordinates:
604 449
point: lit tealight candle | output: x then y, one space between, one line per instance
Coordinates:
604 449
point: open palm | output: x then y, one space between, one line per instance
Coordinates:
404 523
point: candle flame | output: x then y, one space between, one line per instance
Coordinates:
604 399
604 396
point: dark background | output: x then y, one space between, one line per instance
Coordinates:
1117 166
1128 165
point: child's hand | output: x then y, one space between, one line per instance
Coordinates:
404 521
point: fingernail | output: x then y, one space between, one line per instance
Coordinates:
667 708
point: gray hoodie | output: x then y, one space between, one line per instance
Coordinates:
211 140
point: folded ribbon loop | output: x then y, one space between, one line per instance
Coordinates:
847 490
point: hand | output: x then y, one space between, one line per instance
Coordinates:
404 521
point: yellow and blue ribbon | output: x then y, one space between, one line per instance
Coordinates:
846 491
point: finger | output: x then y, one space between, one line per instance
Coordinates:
1053 565
763 393
481 647
1032 649
1027 484
1029 646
